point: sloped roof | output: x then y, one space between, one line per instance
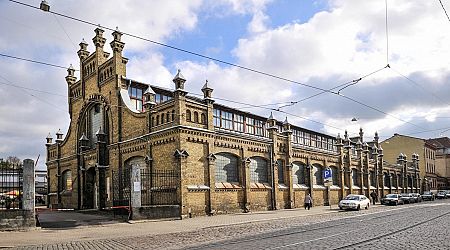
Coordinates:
442 142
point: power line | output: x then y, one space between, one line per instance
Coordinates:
387 33
421 87
33 61
445 11
213 59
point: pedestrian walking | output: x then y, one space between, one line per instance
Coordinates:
308 201
374 196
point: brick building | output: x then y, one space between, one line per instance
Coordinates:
402 144
224 160
442 161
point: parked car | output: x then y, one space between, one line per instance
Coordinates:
392 199
441 195
407 198
447 193
354 201
417 197
428 196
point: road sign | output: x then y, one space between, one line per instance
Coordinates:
327 174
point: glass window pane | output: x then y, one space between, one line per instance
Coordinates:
226 168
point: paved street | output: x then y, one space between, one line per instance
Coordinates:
416 226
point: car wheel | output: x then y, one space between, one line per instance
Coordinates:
358 208
396 203
367 207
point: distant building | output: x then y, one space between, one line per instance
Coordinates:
196 154
442 146
408 145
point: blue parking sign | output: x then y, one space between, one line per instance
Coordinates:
327 173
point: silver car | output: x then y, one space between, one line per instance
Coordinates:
354 201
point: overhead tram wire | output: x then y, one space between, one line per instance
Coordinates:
420 86
445 11
204 56
34 61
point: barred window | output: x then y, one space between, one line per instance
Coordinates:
280 171
226 168
298 173
355 177
335 175
317 174
67 180
258 170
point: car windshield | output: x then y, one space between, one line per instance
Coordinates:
427 193
391 196
353 198
405 194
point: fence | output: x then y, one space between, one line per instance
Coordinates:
11 185
159 187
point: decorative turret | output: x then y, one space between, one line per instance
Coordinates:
338 140
365 147
101 136
376 138
359 145
59 135
286 125
380 150
84 142
116 44
99 40
272 122
361 135
149 98
70 78
179 81
83 53
207 91
49 139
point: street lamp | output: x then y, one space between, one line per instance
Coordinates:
44 6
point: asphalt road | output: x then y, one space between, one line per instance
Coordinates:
417 226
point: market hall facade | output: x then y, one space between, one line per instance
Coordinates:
221 159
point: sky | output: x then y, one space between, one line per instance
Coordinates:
315 44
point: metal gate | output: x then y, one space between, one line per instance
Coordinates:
159 187
11 185
121 184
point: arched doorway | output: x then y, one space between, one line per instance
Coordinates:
90 189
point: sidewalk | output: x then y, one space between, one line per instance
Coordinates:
141 228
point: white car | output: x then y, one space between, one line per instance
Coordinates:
354 201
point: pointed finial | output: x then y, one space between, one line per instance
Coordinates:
271 116
286 121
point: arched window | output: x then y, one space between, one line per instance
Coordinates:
162 118
355 178
67 181
387 181
168 116
95 122
195 116
298 173
226 168
280 164
258 170
317 174
399 180
373 179
188 115
157 120
173 115
203 118
153 121
394 180
335 175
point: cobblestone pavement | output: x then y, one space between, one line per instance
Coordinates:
416 226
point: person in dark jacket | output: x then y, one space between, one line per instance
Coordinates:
374 196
